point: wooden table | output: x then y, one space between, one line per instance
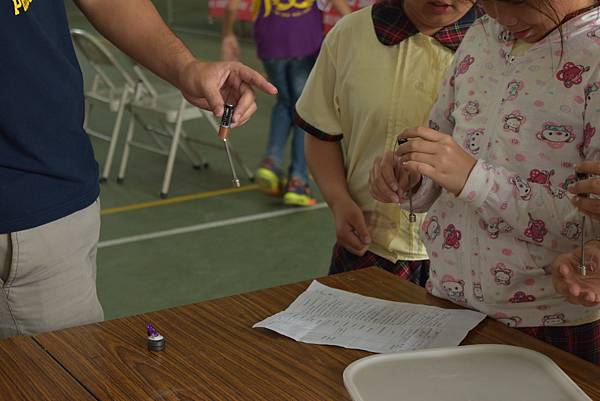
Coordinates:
212 352
28 373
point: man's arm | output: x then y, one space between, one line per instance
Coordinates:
136 28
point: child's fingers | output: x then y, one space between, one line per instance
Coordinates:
424 133
587 186
352 243
421 168
378 188
589 206
386 170
418 146
588 167
564 271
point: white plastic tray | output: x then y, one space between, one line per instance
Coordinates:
466 373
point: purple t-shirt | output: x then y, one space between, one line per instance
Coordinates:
287 32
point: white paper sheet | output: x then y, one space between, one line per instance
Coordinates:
324 315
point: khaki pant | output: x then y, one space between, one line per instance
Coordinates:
48 275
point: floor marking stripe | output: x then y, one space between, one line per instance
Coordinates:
177 199
207 226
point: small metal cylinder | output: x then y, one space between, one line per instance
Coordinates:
226 121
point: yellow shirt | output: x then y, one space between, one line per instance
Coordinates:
366 93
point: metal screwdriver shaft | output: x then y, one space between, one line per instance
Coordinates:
582 265
412 217
224 130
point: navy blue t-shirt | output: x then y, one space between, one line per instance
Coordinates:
47 166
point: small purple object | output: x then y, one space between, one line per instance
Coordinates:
156 342
151 331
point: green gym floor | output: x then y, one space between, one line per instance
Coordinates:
207 240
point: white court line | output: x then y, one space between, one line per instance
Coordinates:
207 226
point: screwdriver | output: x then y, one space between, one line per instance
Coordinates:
224 130
582 266
412 217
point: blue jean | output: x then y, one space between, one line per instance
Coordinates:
289 76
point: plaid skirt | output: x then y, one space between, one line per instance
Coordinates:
583 341
416 271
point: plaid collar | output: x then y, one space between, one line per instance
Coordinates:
392 26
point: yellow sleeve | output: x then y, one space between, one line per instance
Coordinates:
317 109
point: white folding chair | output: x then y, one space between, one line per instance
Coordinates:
171 110
111 86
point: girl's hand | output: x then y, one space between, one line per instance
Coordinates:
437 156
590 207
570 283
389 181
350 227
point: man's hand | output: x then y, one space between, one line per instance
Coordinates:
568 281
437 156
210 85
351 229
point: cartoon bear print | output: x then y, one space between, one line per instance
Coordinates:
553 320
556 135
514 121
452 237
448 113
571 230
591 89
433 125
540 176
495 226
502 274
464 65
588 133
521 188
572 74
432 228
543 177
510 321
570 180
473 140
470 110
556 192
520 297
455 289
594 34
536 230
505 37
478 292
512 90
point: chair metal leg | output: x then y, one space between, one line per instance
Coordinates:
126 149
88 113
173 151
189 152
114 137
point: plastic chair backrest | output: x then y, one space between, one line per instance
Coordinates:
99 57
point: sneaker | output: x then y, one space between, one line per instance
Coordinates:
269 177
298 193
